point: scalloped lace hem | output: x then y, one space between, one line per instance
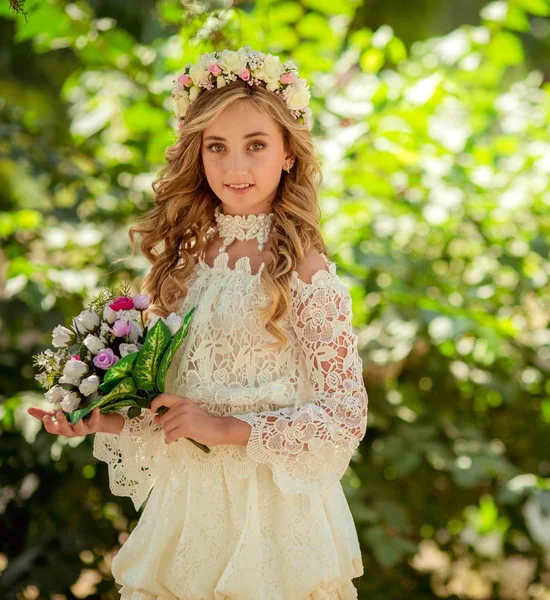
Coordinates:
326 591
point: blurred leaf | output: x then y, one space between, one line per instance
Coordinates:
505 48
537 7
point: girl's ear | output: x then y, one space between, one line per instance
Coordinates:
290 158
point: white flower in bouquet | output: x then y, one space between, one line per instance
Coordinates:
93 343
70 402
135 332
44 380
73 371
152 318
62 337
125 349
104 329
174 322
127 315
109 314
55 394
86 321
89 385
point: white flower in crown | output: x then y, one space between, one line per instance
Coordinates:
181 104
297 98
199 72
233 62
218 69
272 67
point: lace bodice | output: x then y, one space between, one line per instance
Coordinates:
306 404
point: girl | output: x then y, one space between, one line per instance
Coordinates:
269 376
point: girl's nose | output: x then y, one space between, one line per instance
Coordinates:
237 168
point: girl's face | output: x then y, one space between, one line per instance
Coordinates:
243 145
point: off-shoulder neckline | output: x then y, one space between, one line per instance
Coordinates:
243 268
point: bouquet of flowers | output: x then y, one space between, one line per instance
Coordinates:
111 357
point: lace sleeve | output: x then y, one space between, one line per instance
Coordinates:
309 447
130 454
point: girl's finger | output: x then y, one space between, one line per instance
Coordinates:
38 413
65 428
50 426
81 427
93 421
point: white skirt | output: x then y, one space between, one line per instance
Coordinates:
223 537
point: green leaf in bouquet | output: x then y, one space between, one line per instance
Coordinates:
147 363
176 342
117 404
124 389
119 371
137 401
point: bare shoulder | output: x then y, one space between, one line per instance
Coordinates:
311 264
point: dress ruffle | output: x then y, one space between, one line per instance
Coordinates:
339 591
226 538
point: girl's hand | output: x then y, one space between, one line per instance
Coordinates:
186 419
62 426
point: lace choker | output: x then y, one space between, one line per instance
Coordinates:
248 227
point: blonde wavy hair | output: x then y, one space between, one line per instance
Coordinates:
175 231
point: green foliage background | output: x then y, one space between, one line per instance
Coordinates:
436 157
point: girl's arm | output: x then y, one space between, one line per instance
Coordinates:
236 431
309 445
112 423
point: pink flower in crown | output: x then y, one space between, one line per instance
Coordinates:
185 80
244 74
287 78
75 357
215 69
121 303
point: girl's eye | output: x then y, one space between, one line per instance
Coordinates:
252 144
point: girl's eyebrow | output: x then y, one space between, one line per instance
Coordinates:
248 135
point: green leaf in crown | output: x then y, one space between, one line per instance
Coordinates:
148 360
119 371
124 390
176 342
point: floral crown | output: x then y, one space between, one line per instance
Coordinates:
216 69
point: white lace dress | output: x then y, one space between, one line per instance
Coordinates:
268 521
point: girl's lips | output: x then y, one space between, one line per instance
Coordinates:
242 191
